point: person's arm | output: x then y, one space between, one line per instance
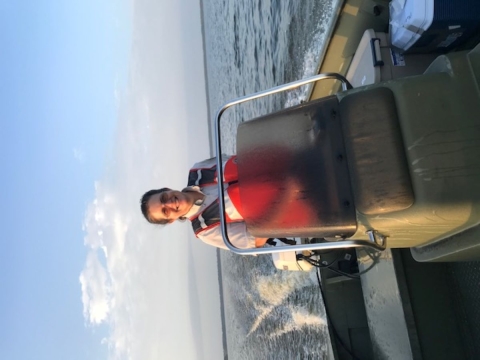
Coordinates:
237 233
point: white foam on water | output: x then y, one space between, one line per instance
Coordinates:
273 292
310 64
303 317
312 60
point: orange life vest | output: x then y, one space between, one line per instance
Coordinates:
210 216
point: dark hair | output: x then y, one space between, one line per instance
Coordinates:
144 206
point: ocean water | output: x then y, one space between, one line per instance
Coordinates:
251 46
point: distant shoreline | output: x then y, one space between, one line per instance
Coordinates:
222 307
212 153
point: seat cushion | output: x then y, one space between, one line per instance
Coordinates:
375 152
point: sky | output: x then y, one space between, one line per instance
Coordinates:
101 101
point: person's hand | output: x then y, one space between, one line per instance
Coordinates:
259 242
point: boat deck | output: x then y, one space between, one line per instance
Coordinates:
463 280
423 311
442 308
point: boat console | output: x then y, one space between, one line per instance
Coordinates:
395 160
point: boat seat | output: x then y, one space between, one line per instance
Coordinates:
375 152
293 174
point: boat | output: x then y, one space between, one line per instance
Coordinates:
382 162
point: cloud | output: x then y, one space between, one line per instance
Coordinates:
135 280
79 155
95 290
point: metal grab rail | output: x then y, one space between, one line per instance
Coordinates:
375 241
